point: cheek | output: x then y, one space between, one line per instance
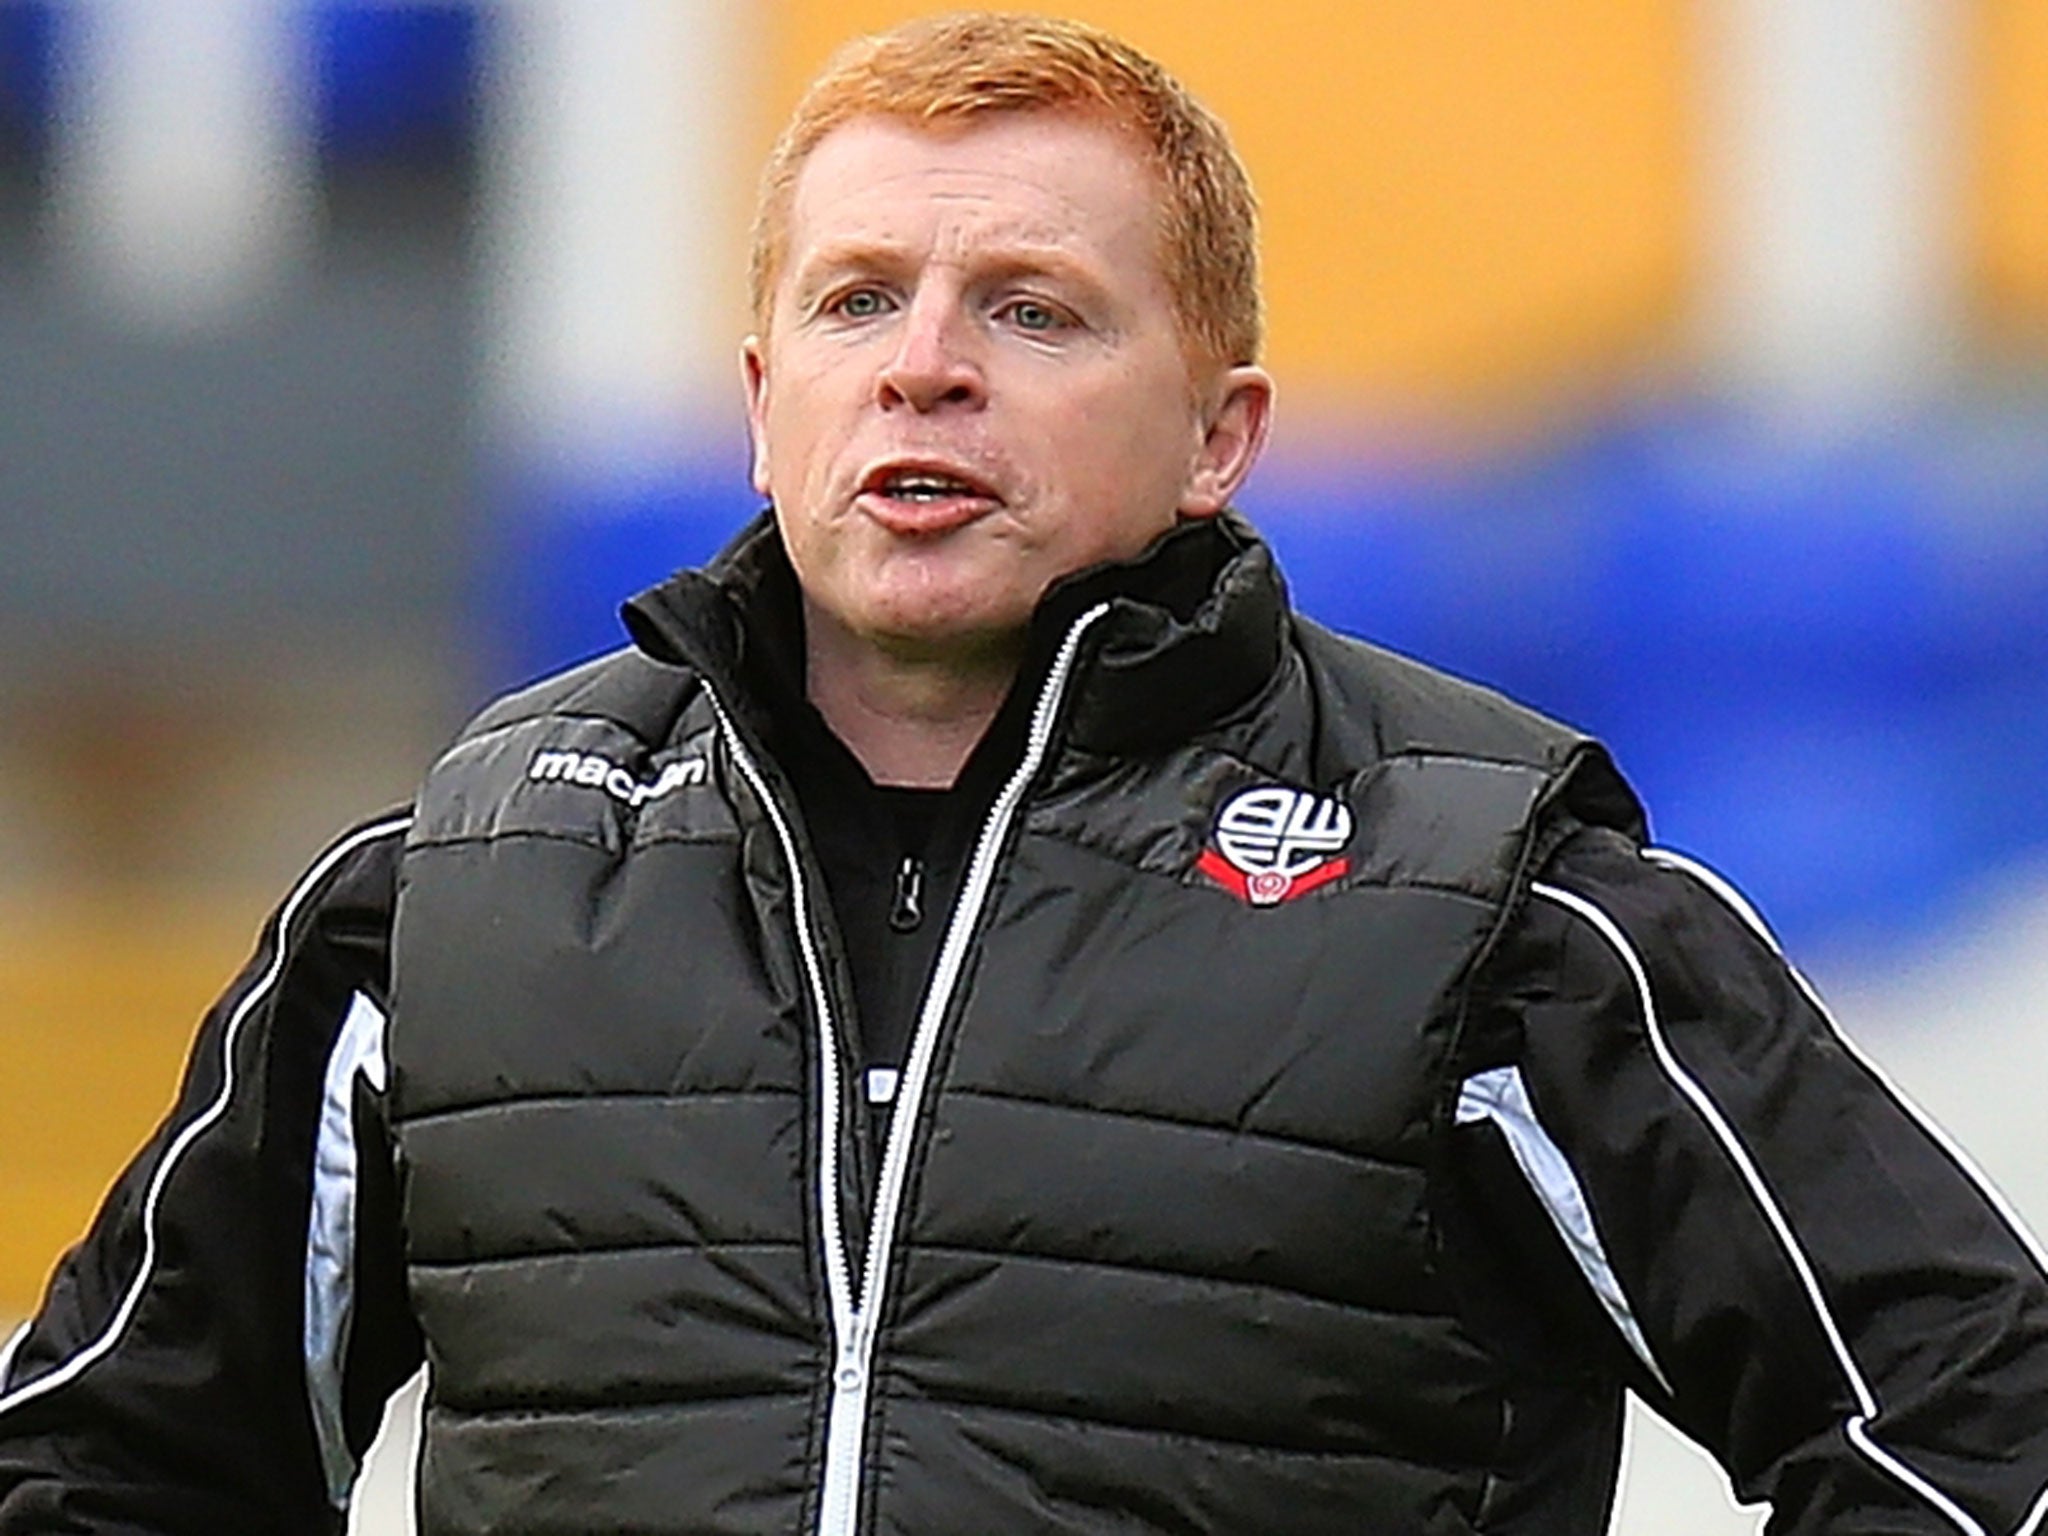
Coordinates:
1131 462
791 449
795 418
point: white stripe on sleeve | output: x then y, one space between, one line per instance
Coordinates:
331 1238
174 1155
1502 1097
1857 1426
7 1353
1734 900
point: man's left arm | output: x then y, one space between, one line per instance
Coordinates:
1809 1278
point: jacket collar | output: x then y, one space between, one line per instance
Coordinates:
1195 629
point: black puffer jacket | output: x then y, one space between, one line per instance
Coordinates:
1152 1240
1309 1066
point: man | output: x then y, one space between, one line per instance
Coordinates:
981 1020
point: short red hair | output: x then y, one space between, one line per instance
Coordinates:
949 70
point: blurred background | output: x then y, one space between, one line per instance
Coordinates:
1679 365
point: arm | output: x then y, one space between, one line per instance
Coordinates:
215 1354
1805 1275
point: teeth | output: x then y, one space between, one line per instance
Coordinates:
925 486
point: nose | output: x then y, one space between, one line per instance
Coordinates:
932 367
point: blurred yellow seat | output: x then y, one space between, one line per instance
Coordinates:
99 1000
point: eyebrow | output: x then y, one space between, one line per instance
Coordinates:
844 254
1023 259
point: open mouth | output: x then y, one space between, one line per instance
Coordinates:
919 485
922 485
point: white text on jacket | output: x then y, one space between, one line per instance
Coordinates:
593 770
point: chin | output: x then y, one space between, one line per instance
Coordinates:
937 635
941 614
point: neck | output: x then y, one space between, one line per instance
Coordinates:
910 719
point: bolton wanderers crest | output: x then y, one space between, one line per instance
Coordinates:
1272 843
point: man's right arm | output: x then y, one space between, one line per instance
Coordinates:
214 1356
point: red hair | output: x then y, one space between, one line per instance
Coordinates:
947 71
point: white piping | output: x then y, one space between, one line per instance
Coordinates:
839 1502
1502 1096
1736 903
109 1336
838 1272
844 1419
1868 1407
330 1279
7 1351
1740 905
854 1315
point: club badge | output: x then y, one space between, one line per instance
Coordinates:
1272 843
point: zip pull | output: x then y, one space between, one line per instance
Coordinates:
906 911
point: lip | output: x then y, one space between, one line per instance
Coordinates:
924 519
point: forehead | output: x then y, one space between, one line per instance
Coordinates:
1029 177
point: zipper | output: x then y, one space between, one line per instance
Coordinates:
838 1263
906 905
855 1313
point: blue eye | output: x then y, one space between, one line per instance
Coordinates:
861 304
1030 315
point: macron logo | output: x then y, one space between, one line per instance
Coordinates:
593 770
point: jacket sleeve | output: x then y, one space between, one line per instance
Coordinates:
215 1354
1795 1267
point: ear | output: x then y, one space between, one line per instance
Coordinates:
754 374
1240 412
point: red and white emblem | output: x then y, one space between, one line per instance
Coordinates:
1272 843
